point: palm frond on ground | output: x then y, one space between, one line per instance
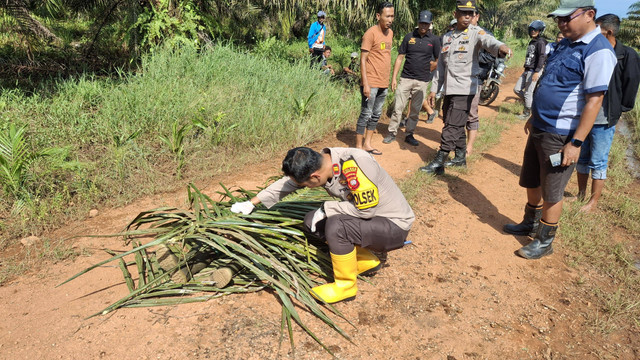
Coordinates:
266 249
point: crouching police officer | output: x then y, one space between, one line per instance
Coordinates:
372 213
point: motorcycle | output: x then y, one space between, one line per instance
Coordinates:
491 83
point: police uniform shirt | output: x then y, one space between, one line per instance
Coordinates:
419 51
458 66
364 188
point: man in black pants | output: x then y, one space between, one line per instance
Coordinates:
458 70
315 39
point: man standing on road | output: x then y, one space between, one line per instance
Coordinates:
371 214
420 48
315 39
565 106
485 59
458 70
620 97
375 66
533 64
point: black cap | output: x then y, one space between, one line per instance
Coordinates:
425 17
466 5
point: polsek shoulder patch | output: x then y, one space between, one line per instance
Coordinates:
365 193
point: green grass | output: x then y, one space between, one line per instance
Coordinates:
238 109
633 117
603 243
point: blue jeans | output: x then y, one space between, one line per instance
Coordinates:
370 109
594 153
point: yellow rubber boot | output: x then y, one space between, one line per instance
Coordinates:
368 263
345 274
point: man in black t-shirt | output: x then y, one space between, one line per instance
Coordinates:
420 48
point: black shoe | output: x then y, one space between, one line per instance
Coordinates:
459 160
411 140
389 139
437 165
403 123
541 244
528 225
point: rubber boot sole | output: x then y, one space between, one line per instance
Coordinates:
536 257
371 271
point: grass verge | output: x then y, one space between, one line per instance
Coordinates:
183 117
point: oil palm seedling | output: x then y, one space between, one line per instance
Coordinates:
195 253
176 142
301 106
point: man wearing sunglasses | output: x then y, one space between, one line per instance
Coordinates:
565 106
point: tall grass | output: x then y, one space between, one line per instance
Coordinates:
633 117
240 104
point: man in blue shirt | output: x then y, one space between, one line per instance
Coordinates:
565 106
315 39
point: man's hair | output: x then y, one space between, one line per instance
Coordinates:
300 163
327 47
609 22
383 5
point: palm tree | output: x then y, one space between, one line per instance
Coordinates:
27 25
630 27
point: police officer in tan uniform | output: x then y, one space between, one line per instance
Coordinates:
372 213
457 72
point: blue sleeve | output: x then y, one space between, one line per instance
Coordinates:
312 31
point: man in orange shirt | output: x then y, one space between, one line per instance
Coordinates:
375 65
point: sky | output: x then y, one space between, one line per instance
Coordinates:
618 7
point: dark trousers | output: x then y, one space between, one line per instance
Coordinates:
316 57
343 232
456 113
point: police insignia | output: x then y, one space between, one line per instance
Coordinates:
365 193
336 169
466 38
460 56
412 41
461 48
445 49
482 32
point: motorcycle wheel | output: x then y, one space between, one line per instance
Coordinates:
488 95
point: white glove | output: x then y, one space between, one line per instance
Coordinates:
245 207
319 215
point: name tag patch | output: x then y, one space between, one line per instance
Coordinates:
365 193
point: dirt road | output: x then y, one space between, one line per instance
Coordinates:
458 292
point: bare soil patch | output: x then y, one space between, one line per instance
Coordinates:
457 292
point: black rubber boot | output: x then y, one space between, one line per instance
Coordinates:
459 160
541 244
437 165
529 224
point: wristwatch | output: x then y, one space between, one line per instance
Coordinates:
575 142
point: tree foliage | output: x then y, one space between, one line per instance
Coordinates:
630 27
140 25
